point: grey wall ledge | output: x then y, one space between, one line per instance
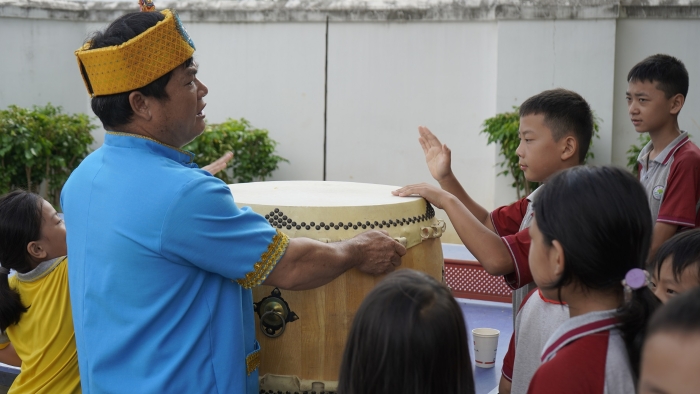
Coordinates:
257 11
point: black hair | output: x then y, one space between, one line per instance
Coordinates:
668 72
20 224
408 336
684 250
681 315
601 217
114 110
565 113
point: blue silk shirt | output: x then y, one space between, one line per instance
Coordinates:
161 266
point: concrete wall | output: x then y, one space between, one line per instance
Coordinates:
391 67
37 60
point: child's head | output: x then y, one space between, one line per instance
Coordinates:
676 266
592 227
657 87
596 220
30 232
408 336
556 127
670 361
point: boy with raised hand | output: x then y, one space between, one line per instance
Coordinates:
669 165
556 127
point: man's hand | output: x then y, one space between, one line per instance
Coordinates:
219 164
438 156
435 196
308 263
379 253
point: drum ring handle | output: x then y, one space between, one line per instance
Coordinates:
275 307
266 330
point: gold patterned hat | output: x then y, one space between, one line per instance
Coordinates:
137 62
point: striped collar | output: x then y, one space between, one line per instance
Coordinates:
665 154
44 268
578 327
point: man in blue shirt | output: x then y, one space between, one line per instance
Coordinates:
161 261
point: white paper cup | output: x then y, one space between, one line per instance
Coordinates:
485 346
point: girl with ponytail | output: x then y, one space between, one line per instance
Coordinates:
590 239
35 312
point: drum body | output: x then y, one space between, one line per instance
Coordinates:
311 346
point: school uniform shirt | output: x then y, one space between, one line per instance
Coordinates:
44 338
512 224
538 318
585 355
162 263
672 182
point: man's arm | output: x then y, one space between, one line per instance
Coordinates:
438 157
662 232
308 264
482 242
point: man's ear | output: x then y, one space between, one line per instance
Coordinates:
569 147
140 105
36 251
677 102
556 259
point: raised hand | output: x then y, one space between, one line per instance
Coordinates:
438 156
218 164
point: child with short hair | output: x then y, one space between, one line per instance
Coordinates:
657 88
676 266
670 361
590 240
35 310
556 128
408 336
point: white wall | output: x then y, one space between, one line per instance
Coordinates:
385 79
38 65
273 75
637 39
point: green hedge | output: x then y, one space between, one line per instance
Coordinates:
41 144
253 150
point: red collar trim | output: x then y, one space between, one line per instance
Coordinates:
586 329
547 300
675 148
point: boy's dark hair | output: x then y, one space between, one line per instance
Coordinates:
20 224
601 217
408 336
565 113
114 110
684 250
680 315
668 72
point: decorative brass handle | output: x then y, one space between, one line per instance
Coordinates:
274 313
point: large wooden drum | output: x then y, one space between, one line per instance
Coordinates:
302 334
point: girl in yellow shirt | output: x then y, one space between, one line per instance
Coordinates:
35 312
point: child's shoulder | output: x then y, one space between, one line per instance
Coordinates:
579 367
688 151
686 155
